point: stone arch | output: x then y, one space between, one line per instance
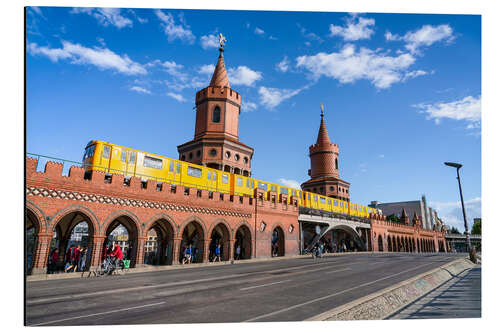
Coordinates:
356 238
37 213
389 244
220 233
243 236
64 225
277 240
193 232
33 225
159 243
129 244
380 244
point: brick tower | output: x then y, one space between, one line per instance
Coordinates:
324 170
216 144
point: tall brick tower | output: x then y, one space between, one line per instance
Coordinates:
216 143
324 170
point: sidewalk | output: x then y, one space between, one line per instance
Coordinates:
460 297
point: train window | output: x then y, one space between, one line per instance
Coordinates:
308 197
283 190
248 183
132 157
335 203
124 156
262 186
329 202
151 162
105 151
194 172
209 175
216 115
215 176
239 181
171 169
314 198
252 184
322 200
178 168
225 179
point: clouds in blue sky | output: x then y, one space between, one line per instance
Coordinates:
357 28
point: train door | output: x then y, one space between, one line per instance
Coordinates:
105 157
114 161
131 158
212 179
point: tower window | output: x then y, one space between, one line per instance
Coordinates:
198 153
228 154
331 188
336 164
237 157
216 115
245 160
213 152
190 156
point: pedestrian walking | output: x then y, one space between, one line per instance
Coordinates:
83 259
76 257
70 259
238 252
53 260
217 253
187 255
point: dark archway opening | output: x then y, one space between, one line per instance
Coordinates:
158 248
380 244
389 244
277 243
31 240
219 237
193 238
123 230
71 245
243 238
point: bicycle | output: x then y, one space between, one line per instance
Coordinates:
108 268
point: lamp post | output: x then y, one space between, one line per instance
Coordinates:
467 237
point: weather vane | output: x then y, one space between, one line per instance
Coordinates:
222 40
322 111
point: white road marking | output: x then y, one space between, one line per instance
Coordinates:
332 295
97 314
264 285
338 270
170 284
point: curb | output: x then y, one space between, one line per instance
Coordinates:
150 268
382 304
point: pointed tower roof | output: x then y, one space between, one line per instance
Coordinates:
323 132
219 78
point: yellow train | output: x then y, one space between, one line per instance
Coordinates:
115 159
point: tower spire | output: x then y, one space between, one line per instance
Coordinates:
323 137
219 78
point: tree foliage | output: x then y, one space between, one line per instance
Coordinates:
393 218
476 228
455 231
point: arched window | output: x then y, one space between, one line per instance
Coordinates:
216 115
336 164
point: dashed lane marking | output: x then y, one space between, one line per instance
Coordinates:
265 285
97 314
334 294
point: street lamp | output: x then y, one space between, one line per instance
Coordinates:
467 237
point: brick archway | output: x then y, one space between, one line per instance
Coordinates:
159 251
380 244
193 232
31 233
132 247
220 233
278 240
244 237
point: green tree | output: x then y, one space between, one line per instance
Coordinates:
455 231
393 218
476 228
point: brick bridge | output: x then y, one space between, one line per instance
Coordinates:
55 204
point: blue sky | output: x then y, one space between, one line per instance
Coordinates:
402 92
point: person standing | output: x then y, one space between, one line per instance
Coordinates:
83 259
53 260
217 253
238 252
76 257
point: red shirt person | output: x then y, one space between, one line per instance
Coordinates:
117 251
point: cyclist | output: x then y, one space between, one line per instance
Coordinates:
116 255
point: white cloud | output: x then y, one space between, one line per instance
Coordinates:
102 58
283 65
425 36
451 212
273 38
309 35
248 106
290 183
272 97
381 156
140 90
207 69
243 75
173 31
414 74
468 109
259 31
105 16
355 29
349 65
177 97
210 41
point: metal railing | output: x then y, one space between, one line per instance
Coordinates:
67 164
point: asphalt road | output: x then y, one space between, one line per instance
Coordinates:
283 290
